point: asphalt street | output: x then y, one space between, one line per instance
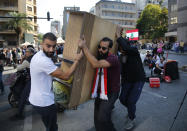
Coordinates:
156 109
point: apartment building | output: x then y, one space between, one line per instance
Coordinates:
172 20
182 21
141 4
8 37
66 18
56 28
121 13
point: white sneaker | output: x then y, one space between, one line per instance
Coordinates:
130 124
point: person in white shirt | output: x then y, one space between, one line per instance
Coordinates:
159 66
42 69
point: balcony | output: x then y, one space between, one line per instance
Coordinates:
4 19
129 26
30 13
9 8
7 32
119 10
118 18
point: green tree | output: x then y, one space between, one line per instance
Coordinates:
19 24
40 36
153 22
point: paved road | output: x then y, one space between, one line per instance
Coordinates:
156 110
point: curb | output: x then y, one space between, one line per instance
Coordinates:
175 53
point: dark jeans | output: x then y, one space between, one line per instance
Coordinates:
24 96
102 113
1 82
130 93
182 49
157 70
49 116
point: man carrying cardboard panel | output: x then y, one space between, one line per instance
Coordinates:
106 83
42 70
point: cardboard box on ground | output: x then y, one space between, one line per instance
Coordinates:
94 29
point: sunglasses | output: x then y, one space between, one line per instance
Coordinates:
103 48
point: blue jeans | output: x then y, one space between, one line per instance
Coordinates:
1 82
130 93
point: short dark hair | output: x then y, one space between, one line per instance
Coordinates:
49 36
31 50
106 39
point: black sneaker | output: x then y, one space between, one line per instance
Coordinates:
17 117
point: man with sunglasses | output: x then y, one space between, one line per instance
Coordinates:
132 77
107 79
42 69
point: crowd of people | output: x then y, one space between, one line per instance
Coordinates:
155 61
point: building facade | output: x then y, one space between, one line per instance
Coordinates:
8 37
182 21
117 12
66 18
56 28
177 22
141 4
172 21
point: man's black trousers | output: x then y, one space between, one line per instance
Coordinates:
102 113
49 116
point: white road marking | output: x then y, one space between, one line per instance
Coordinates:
154 94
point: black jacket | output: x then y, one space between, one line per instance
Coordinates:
132 70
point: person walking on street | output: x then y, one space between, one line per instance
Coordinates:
132 78
106 83
181 45
2 59
42 69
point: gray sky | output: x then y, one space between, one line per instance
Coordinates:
55 7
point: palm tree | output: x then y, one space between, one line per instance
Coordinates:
19 24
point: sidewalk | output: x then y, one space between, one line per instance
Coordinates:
173 52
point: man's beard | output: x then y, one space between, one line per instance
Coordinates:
49 54
102 56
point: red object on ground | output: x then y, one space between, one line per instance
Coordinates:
154 82
167 79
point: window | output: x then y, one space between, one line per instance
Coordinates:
112 6
29 8
174 20
105 6
173 7
31 18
